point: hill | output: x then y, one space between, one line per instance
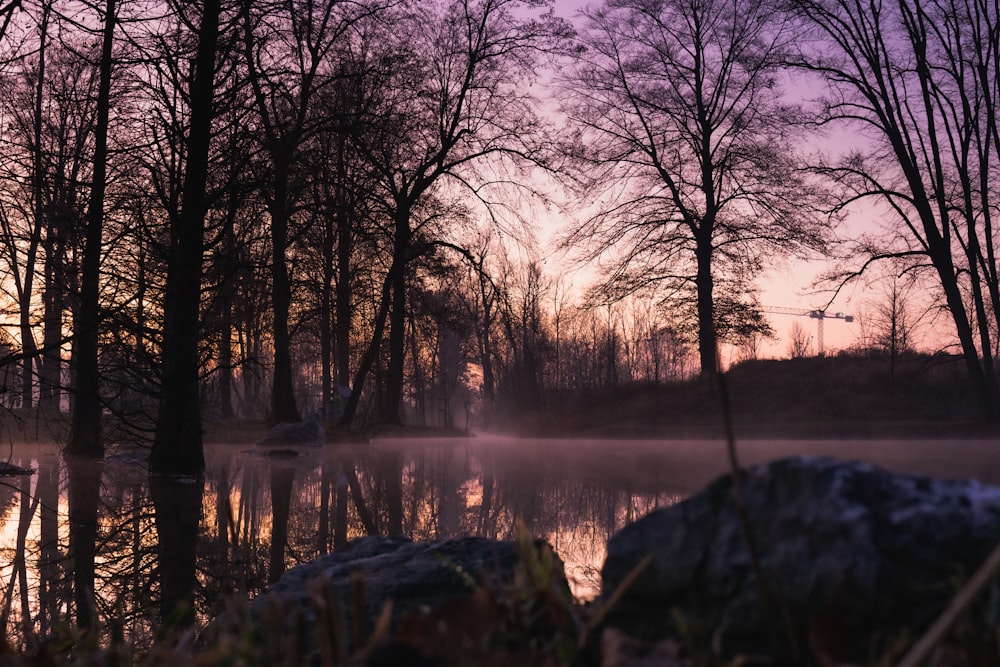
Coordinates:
821 397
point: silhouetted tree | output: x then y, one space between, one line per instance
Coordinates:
85 434
798 342
455 95
919 81
287 48
177 446
686 149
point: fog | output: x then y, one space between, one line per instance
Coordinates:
256 515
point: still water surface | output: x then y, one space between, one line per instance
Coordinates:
142 546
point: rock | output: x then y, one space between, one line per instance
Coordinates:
10 470
416 576
128 454
292 434
848 549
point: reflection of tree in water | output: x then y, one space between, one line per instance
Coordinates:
126 550
10 491
50 579
255 517
281 505
453 489
26 508
84 501
178 505
30 565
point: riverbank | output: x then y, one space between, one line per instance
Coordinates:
925 396
917 396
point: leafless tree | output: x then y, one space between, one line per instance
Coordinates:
799 342
177 446
288 46
917 82
454 118
690 150
85 434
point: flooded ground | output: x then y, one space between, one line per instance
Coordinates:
101 542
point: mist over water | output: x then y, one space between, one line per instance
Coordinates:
68 529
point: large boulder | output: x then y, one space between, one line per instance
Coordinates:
849 553
355 583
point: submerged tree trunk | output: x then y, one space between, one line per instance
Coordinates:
85 431
178 447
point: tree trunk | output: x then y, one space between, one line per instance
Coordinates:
38 183
368 359
343 300
326 314
397 321
178 447
85 431
50 375
705 285
227 291
283 406
986 392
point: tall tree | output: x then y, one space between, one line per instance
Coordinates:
688 146
38 187
457 95
918 80
177 446
287 46
341 194
85 434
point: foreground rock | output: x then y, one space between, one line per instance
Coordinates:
357 580
847 549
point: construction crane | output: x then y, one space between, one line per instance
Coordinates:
818 314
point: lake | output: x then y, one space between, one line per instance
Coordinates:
100 542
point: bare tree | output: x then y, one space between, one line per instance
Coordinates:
177 446
687 144
287 48
455 95
799 342
85 434
918 80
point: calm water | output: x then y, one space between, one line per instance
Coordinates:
141 547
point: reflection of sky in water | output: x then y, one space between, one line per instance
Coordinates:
573 493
